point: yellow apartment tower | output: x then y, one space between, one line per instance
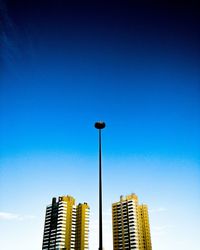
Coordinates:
130 222
61 223
82 227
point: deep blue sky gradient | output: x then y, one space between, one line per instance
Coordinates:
67 64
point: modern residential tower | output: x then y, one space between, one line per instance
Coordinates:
131 228
82 226
62 224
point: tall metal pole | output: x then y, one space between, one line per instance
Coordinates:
100 197
99 126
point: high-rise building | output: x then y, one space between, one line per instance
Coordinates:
61 221
131 228
82 227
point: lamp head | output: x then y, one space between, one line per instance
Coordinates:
100 125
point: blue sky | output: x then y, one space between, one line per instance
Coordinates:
64 66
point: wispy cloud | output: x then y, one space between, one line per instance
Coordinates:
13 216
158 210
161 230
10 47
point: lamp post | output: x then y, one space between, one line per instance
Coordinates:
100 126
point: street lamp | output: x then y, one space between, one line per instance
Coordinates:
100 126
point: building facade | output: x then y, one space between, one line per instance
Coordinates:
130 222
82 227
61 222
